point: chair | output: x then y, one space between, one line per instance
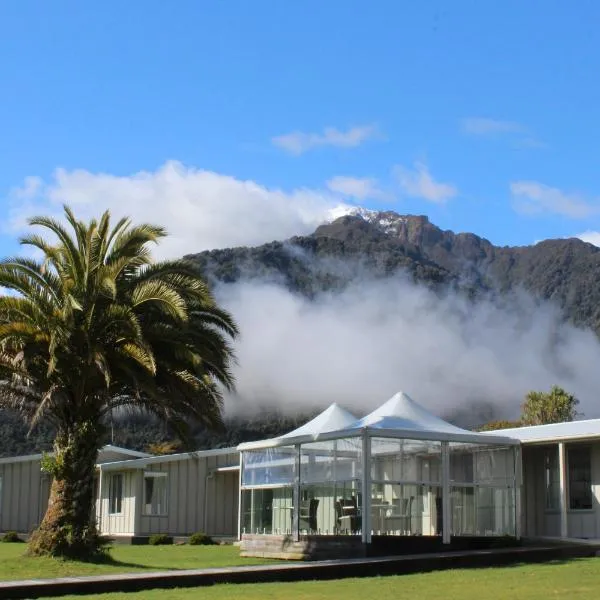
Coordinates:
402 515
346 513
308 514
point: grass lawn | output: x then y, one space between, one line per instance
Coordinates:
124 559
575 580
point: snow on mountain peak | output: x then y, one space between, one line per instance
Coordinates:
386 221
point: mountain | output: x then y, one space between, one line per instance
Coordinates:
384 244
380 244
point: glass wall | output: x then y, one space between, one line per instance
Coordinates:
267 490
482 490
318 487
330 487
406 487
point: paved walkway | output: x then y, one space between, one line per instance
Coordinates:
286 571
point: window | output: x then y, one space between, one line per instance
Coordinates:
461 467
155 493
115 494
552 479
580 478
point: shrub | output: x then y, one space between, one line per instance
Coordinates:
11 537
201 539
160 539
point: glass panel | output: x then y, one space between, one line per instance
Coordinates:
269 466
482 511
461 463
406 509
580 477
494 465
267 511
115 493
331 508
155 495
406 460
482 464
552 478
335 460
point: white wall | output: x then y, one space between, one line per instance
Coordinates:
537 520
24 495
122 523
199 497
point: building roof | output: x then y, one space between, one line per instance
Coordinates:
333 418
140 463
402 412
554 432
107 450
400 417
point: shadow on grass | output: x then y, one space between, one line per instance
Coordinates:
104 560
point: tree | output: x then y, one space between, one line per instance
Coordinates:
96 326
554 406
493 425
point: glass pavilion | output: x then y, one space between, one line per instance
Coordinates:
399 471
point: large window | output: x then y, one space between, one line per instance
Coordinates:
580 477
115 493
552 479
155 494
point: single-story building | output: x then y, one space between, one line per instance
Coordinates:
177 494
138 494
25 488
399 472
561 479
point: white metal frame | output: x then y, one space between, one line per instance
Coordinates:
366 435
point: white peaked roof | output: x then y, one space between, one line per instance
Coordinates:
402 412
400 417
332 418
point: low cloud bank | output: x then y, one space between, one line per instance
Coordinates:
359 346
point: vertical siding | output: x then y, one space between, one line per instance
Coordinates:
123 523
540 522
199 498
23 501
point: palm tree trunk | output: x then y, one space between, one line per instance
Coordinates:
69 526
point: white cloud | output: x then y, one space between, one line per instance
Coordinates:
591 237
519 135
485 126
360 188
200 209
532 197
299 142
419 183
361 345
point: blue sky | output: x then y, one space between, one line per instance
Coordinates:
249 120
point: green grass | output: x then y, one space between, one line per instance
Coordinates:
575 580
123 559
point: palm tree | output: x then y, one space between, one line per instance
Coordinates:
96 326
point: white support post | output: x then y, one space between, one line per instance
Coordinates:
518 483
562 469
240 516
296 497
446 506
99 503
366 489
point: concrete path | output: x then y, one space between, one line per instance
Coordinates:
286 571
